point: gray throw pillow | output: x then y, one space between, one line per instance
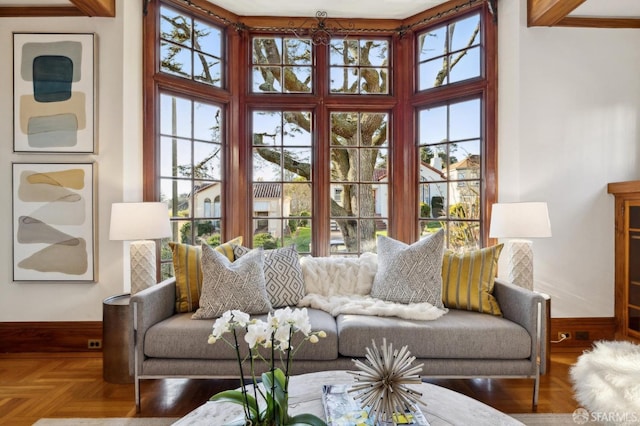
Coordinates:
232 285
410 273
282 273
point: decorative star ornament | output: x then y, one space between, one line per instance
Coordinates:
382 381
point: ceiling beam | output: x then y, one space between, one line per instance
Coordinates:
37 11
546 13
593 22
103 8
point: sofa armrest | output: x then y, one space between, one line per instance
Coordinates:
528 309
148 307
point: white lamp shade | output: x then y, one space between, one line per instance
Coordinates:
520 220
139 221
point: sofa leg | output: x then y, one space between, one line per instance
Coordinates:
536 390
137 394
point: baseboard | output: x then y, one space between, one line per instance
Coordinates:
583 332
60 336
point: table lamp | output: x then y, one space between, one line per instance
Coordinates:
518 222
140 223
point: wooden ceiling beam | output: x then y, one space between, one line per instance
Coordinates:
102 8
593 22
546 13
32 12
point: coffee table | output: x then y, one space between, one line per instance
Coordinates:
440 406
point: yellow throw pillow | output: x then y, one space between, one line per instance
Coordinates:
468 278
187 266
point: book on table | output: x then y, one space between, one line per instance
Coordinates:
341 409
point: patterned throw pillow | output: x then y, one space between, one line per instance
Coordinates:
468 278
187 266
232 285
283 275
410 273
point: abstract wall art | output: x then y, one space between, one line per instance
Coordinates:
53 222
53 93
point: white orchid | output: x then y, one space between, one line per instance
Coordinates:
258 333
276 332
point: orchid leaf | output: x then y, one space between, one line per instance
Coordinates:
306 420
237 397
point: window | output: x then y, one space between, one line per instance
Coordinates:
282 158
359 66
280 139
449 53
281 65
190 48
191 146
450 143
359 152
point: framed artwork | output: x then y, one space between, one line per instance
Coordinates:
53 222
53 93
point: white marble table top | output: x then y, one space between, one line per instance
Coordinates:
440 406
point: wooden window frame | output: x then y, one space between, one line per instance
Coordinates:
402 101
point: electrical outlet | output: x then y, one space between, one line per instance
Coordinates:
94 344
582 335
564 335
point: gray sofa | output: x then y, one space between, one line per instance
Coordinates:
460 344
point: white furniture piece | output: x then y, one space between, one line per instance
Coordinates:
140 223
440 406
518 222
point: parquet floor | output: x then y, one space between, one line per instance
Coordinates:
62 385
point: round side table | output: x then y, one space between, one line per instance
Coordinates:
115 339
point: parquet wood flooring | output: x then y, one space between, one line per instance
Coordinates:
65 385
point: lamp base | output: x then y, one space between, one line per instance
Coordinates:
143 265
520 263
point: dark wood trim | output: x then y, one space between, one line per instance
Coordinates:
62 336
545 13
34 12
588 22
102 8
599 328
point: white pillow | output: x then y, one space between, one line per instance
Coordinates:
339 276
410 273
232 285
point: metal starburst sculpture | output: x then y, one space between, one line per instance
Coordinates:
382 381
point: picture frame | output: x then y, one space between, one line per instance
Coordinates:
54 222
53 93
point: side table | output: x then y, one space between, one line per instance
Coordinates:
115 339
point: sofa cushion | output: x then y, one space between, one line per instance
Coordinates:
181 337
282 274
187 266
468 278
458 334
410 273
230 285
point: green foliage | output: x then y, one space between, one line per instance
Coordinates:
215 240
301 238
265 240
425 210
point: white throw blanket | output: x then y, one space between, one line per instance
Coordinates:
342 286
366 305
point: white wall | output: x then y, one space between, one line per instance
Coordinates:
569 104
569 123
118 162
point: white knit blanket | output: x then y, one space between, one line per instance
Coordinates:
367 305
342 286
